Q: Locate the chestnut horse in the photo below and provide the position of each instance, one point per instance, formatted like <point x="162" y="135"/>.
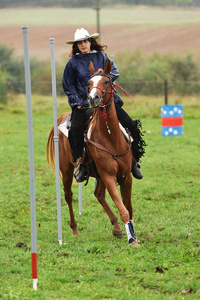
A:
<point x="109" y="150"/>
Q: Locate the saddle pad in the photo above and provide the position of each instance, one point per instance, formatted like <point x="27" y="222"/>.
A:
<point x="63" y="128"/>
<point x="123" y="130"/>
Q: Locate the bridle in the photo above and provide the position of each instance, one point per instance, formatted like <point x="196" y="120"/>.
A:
<point x="104" y="92"/>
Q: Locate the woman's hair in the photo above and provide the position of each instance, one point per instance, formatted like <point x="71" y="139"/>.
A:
<point x="94" y="46"/>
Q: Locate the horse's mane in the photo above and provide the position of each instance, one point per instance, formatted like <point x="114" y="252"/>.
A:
<point x="93" y="121"/>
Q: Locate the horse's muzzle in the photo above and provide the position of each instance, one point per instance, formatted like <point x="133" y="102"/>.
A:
<point x="94" y="101"/>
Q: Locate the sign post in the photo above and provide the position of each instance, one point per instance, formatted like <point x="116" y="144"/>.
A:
<point x="172" y="119"/>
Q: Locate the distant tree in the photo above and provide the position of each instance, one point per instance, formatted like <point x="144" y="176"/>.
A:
<point x="92" y="3"/>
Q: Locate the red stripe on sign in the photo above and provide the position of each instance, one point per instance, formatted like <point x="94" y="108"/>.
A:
<point x="172" y="121"/>
<point x="34" y="265"/>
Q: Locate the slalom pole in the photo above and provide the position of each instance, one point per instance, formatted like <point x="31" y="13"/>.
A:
<point x="31" y="157"/>
<point x="80" y="198"/>
<point x="53" y="77"/>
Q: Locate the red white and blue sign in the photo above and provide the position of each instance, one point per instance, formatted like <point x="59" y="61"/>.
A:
<point x="172" y="119"/>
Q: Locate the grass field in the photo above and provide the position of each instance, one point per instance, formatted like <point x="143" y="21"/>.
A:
<point x="76" y="16"/>
<point x="96" y="265"/>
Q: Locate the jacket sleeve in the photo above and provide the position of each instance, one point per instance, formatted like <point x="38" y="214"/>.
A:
<point x="114" y="72"/>
<point x="69" y="85"/>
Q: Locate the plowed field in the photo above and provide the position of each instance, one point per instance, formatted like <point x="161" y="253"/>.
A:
<point x="160" y="36"/>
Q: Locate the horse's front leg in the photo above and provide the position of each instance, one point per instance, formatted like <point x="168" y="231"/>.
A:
<point x="126" y="188"/>
<point x="100" y="195"/>
<point x="111" y="185"/>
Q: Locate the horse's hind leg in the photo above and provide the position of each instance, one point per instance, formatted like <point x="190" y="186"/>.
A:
<point x="67" y="169"/>
<point x="100" y="195"/>
<point x="67" y="183"/>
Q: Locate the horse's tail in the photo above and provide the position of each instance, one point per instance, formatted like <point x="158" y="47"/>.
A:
<point x="50" y="151"/>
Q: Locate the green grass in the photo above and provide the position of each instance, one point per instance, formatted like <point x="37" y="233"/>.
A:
<point x="96" y="265"/>
<point x="76" y="16"/>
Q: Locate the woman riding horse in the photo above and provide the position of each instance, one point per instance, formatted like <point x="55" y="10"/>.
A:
<point x="108" y="149"/>
<point x="75" y="77"/>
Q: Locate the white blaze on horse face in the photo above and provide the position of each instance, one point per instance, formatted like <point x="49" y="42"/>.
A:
<point x="95" y="81"/>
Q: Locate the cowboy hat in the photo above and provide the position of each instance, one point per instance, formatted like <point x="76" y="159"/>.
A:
<point x="81" y="35"/>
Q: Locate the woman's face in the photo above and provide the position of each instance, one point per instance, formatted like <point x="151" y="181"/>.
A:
<point x="84" y="46"/>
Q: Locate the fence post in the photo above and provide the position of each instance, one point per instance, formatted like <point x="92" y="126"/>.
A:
<point x="166" y="91"/>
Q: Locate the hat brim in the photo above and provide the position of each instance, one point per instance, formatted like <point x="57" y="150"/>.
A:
<point x="93" y="36"/>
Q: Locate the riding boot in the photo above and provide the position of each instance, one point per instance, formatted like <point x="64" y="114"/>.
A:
<point x="135" y="170"/>
<point x="82" y="174"/>
<point x="138" y="145"/>
<point x="76" y="139"/>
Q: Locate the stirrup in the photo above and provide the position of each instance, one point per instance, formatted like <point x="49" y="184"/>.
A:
<point x="136" y="172"/>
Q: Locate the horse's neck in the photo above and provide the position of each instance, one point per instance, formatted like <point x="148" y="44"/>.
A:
<point x="112" y="125"/>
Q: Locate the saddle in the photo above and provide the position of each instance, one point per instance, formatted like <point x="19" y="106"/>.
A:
<point x="86" y="159"/>
<point x="65" y="126"/>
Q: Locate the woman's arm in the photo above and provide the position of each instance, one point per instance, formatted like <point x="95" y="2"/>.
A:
<point x="70" y="85"/>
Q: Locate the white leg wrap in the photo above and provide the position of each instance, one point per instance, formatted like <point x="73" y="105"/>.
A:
<point x="132" y="224"/>
<point x="130" y="232"/>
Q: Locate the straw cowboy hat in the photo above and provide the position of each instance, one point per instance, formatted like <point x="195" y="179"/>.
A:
<point x="81" y="35"/>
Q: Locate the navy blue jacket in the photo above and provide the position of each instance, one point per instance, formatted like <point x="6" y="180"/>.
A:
<point x="76" y="75"/>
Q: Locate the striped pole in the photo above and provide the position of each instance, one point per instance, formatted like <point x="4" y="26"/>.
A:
<point x="31" y="157"/>
<point x="53" y="77"/>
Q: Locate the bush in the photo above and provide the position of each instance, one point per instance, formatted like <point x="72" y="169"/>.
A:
<point x="14" y="68"/>
<point x="3" y="87"/>
<point x="146" y="74"/>
<point x="138" y="73"/>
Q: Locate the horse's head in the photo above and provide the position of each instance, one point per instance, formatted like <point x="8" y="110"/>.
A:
<point x="100" y="86"/>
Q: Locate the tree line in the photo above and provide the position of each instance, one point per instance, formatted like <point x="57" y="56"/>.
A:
<point x="94" y="3"/>
<point x="139" y="73"/>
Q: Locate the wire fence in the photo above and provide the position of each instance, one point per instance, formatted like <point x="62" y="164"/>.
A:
<point x="142" y="87"/>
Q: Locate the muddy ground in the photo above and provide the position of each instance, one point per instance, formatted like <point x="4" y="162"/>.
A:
<point x="119" y="38"/>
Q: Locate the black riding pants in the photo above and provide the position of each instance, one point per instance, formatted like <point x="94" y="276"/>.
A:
<point x="76" y="138"/>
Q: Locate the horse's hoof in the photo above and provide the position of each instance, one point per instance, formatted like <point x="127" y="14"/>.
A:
<point x="135" y="244"/>
<point x="118" y="234"/>
<point x="75" y="232"/>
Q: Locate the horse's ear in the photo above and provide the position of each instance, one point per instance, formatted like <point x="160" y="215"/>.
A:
<point x="91" y="68"/>
<point x="108" y="67"/>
